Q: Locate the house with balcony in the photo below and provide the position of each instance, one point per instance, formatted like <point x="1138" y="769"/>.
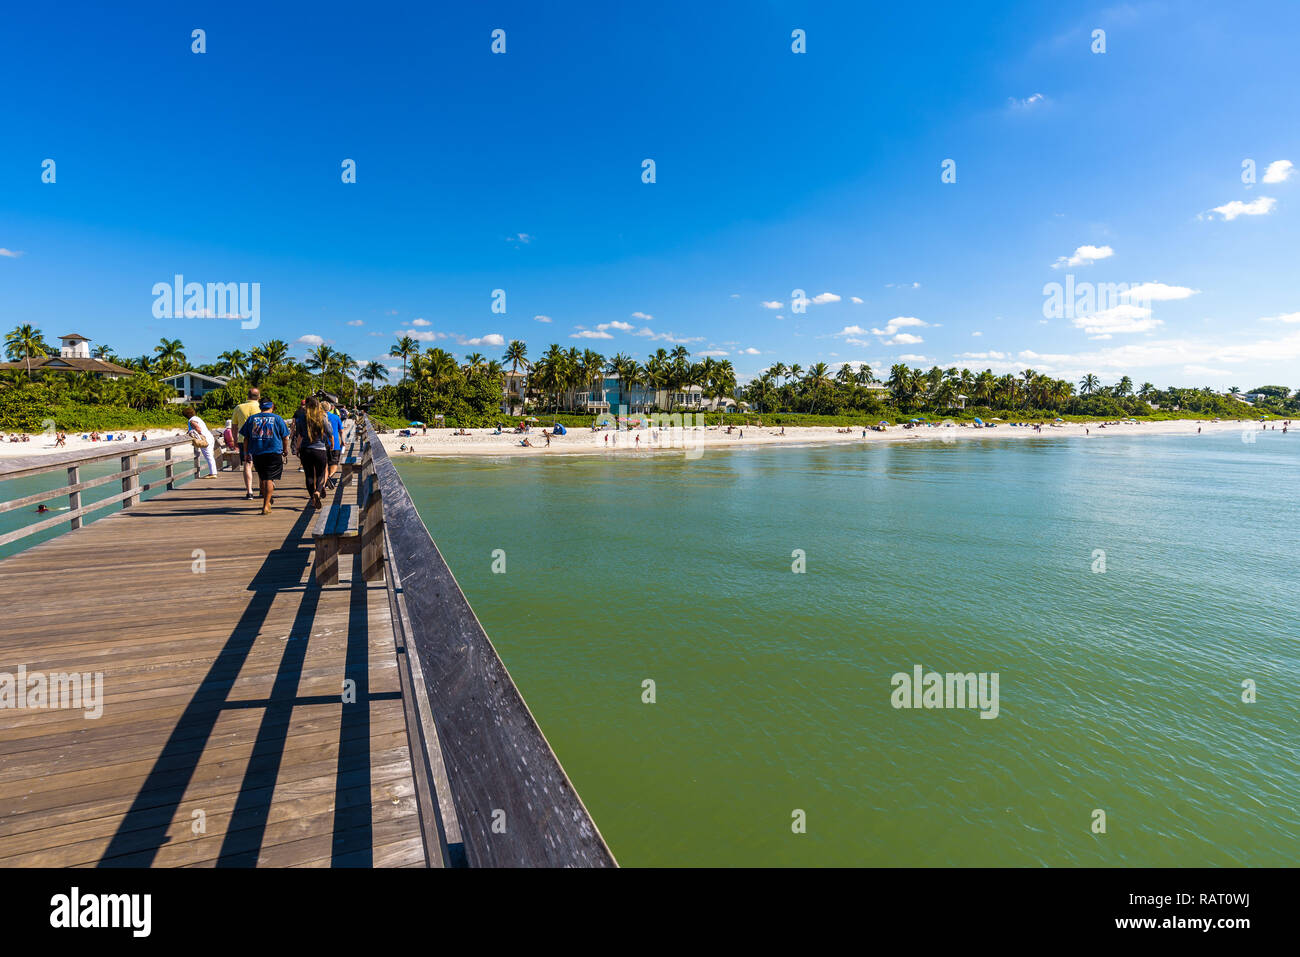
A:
<point x="74" y="356"/>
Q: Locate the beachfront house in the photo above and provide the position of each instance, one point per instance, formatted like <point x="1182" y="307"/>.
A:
<point x="192" y="386"/>
<point x="74" y="356"/>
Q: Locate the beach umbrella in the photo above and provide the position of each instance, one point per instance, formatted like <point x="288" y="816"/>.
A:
<point x="979" y="420"/>
<point x="414" y="424"/>
<point x="916" y="420"/>
<point x="1059" y="419"/>
<point x="531" y="418"/>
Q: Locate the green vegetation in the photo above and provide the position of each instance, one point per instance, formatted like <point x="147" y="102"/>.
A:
<point x="472" y="393"/>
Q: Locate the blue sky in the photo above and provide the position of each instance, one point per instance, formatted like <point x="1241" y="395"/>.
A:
<point x="775" y="171"/>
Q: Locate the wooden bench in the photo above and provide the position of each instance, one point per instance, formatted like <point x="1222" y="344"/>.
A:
<point x="348" y="527"/>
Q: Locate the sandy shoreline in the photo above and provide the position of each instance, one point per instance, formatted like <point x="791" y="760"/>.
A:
<point x="697" y="441"/>
<point x="689" y="442"/>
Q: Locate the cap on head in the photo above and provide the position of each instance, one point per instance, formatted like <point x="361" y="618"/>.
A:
<point x="266" y="404"/>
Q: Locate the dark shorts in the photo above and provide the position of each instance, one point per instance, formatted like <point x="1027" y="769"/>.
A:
<point x="269" y="466"/>
<point x="334" y="456"/>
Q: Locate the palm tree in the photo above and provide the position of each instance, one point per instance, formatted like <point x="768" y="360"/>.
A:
<point x="403" y="349"/>
<point x="322" y="360"/>
<point x="1124" y="387"/>
<point x="374" y="371"/>
<point x="1089" y="384"/>
<point x="517" y="355"/>
<point x="474" y="360"/>
<point x="818" y="377"/>
<point x="25" y="341"/>
<point x="233" y="363"/>
<point x="269" y="356"/>
<point x="171" y="355"/>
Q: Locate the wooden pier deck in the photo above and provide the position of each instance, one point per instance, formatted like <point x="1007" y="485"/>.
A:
<point x="225" y="739"/>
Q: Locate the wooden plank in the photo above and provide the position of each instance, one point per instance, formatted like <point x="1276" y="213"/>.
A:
<point x="223" y="692"/>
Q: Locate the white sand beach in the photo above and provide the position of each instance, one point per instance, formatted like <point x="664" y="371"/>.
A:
<point x="584" y="441"/>
<point x="43" y="444"/>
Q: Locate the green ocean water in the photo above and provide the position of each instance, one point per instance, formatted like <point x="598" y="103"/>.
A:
<point x="1119" y="690"/>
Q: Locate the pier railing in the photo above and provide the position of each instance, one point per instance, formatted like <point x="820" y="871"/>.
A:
<point x="130" y="475"/>
<point x="492" y="792"/>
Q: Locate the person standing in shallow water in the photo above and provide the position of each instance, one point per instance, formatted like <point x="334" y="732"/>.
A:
<point x="266" y="437"/>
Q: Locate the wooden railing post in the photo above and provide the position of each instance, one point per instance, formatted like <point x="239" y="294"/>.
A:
<point x="170" y="467"/>
<point x="130" y="481"/>
<point x="74" y="498"/>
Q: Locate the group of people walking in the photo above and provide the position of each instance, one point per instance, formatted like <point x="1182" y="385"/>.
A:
<point x="264" y="441"/>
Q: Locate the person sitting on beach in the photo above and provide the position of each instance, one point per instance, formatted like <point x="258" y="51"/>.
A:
<point x="526" y="443"/>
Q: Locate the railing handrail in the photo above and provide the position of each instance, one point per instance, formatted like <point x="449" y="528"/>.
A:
<point x="515" y="806"/>
<point x="128" y="453"/>
<point x="26" y="465"/>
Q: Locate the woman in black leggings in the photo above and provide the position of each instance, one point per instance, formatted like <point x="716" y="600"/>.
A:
<point x="313" y="450"/>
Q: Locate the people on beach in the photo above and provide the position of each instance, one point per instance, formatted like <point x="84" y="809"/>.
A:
<point x="239" y="418"/>
<point x="315" y="441"/>
<point x="266" y="443"/>
<point x="61" y="440"/>
<point x="202" y="441"/>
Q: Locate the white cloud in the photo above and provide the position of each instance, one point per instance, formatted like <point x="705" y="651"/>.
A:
<point x="713" y="352"/>
<point x="824" y="297"/>
<point x="1156" y="292"/>
<point x="735" y="295"/>
<point x="751" y="351"/>
<point x="643" y="316"/>
<point x="1125" y="317"/>
<point x="771" y="304"/>
<point x="355" y="322"/>
<point x="1205" y="370"/>
<point x="522" y="238"/>
<point x="1289" y="317"/>
<point x="620" y="326"/>
<point x="309" y="340"/>
<point x="421" y="322"/>
<point x="1032" y="100"/>
<point x="855" y="299"/>
<point x="977" y="333"/>
<point x="911" y="357"/>
<point x="898" y="322"/>
<point x="1278" y="171"/>
<point x="423" y="335"/>
<point x="902" y="285"/>
<point x="904" y="339"/>
<point x="1084" y="256"/>
<point x="491" y="339"/>
<point x="1256" y="207"/>
<point x="852" y="331"/>
<point x="541" y="318"/>
<point x="10" y="253"/>
<point x="983" y="355"/>
<point x="590" y="334"/>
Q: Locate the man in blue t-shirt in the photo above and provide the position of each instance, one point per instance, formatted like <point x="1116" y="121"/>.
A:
<point x="266" y="437"/>
<point x="336" y="424"/>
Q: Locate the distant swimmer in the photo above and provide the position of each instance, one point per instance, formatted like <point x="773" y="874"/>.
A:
<point x="42" y="507"/>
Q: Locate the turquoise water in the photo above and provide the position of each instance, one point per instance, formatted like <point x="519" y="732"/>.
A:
<point x="20" y="488"/>
<point x="1118" y="690"/>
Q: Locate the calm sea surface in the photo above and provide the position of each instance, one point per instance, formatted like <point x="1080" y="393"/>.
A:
<point x="1119" y="690"/>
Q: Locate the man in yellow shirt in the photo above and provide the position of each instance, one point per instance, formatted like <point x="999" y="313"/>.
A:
<point x="237" y="420"/>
